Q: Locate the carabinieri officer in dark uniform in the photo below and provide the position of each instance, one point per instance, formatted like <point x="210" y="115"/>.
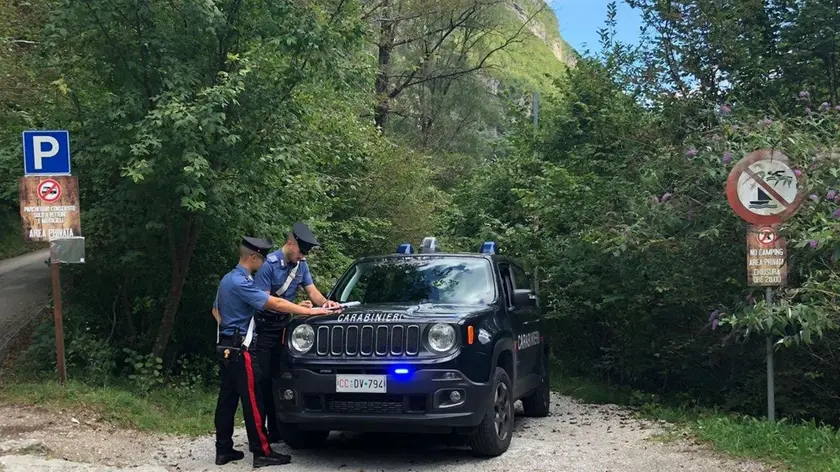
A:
<point x="237" y="301"/>
<point x="283" y="274"/>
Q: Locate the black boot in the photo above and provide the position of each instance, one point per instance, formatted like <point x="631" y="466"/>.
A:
<point x="223" y="458"/>
<point x="274" y="458"/>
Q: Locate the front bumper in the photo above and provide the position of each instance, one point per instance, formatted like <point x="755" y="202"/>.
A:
<point x="418" y="401"/>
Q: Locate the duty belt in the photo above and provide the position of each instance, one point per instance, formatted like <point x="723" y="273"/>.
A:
<point x="272" y="316"/>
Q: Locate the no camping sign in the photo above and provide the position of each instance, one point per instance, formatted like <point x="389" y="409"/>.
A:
<point x="764" y="190"/>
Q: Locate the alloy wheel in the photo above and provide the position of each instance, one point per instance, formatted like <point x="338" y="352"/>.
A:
<point x="501" y="407"/>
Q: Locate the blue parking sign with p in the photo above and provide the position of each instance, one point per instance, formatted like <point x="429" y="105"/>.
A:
<point x="46" y="153"/>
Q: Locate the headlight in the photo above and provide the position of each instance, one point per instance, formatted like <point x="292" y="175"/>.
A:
<point x="442" y="337"/>
<point x="303" y="337"/>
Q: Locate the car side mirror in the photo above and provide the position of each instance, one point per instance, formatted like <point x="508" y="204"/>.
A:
<point x="523" y="297"/>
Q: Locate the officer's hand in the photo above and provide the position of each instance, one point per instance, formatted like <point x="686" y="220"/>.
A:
<point x="332" y="304"/>
<point x="322" y="311"/>
<point x="306" y="303"/>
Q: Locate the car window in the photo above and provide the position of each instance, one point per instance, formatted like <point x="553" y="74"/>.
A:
<point x="420" y="280"/>
<point x="521" y="280"/>
<point x="507" y="283"/>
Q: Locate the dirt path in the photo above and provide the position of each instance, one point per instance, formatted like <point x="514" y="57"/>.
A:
<point x="575" y="437"/>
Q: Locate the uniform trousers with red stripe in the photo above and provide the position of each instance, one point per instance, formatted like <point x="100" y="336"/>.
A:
<point x="239" y="381"/>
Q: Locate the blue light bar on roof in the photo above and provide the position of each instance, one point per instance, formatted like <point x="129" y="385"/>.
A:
<point x="405" y="248"/>
<point x="489" y="247"/>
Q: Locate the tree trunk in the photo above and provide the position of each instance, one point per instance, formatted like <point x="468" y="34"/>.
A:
<point x="180" y="258"/>
<point x="386" y="45"/>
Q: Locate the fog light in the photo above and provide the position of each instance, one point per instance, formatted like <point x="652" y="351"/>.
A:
<point x="288" y="394"/>
<point x="455" y="396"/>
<point x="449" y="375"/>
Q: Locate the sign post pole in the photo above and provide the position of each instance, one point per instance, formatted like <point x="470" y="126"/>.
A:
<point x="763" y="190"/>
<point x="49" y="207"/>
<point x="55" y="267"/>
<point x="771" y="389"/>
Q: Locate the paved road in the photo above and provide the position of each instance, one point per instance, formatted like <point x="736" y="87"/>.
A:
<point x="24" y="286"/>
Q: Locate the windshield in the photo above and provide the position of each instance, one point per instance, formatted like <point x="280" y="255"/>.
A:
<point x="451" y="280"/>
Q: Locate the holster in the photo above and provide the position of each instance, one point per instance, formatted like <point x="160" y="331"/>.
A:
<point x="229" y="349"/>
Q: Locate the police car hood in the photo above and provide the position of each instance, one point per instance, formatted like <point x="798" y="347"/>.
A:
<point x="396" y="313"/>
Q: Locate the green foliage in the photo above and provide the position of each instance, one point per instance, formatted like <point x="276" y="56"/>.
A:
<point x="590" y="391"/>
<point x="11" y="239"/>
<point x="200" y="122"/>
<point x="145" y="370"/>
<point x="619" y="199"/>
<point x="801" y="447"/>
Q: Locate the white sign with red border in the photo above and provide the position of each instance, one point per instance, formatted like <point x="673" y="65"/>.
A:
<point x="763" y="189"/>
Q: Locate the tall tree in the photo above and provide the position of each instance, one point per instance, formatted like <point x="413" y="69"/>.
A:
<point x="185" y="117"/>
<point x="759" y="52"/>
<point x="421" y="41"/>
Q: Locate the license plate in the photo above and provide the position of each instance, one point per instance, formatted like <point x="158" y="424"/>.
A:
<point x="361" y="383"/>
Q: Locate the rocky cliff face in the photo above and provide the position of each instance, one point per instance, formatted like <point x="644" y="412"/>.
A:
<point x="545" y="27"/>
<point x="539" y="55"/>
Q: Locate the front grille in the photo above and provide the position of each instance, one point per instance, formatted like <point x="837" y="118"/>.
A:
<point x="384" y="405"/>
<point x="368" y="340"/>
<point x="366" y="404"/>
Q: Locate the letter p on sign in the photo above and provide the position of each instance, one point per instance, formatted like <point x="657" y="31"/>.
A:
<point x="46" y="152"/>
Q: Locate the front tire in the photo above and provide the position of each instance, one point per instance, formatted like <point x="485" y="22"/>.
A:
<point x="493" y="435"/>
<point x="538" y="403"/>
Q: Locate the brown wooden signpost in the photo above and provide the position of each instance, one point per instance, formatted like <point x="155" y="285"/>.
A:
<point x="765" y="191"/>
<point x="49" y="208"/>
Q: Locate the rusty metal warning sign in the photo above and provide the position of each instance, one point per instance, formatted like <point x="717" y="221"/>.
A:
<point x="766" y="256"/>
<point x="49" y="207"/>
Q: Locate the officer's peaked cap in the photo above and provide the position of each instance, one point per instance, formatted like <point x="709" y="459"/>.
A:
<point x="260" y="245"/>
<point x="304" y="237"/>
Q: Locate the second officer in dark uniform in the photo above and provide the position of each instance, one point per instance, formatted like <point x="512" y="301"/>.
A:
<point x="237" y="301"/>
<point x="283" y="274"/>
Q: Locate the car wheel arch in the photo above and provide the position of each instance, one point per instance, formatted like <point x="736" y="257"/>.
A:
<point x="503" y="356"/>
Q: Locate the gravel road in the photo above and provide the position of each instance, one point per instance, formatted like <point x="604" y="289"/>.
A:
<point x="575" y="437"/>
<point x="24" y="285"/>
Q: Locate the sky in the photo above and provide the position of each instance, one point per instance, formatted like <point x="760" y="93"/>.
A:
<point x="580" y="20"/>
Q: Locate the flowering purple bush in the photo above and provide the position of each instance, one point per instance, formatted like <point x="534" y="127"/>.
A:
<point x="809" y="144"/>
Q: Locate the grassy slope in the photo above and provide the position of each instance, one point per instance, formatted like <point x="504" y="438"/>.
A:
<point x="171" y="411"/>
<point x="795" y="447"/>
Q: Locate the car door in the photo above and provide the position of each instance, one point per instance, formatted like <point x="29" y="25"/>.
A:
<point x="506" y="276"/>
<point x="529" y="337"/>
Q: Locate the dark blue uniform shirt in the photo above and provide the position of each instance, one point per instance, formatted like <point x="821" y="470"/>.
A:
<point x="272" y="275"/>
<point x="237" y="300"/>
